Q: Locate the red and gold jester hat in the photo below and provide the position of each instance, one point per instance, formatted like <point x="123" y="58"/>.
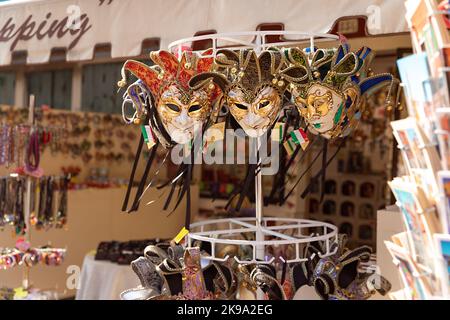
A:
<point x="180" y="110"/>
<point x="172" y="111"/>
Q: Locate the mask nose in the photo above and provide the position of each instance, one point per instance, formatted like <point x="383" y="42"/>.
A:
<point x="252" y="119"/>
<point x="183" y="118"/>
<point x="311" y="111"/>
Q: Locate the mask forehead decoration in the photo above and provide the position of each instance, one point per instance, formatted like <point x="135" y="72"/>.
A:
<point x="179" y="110"/>
<point x="253" y="86"/>
<point x="331" y="100"/>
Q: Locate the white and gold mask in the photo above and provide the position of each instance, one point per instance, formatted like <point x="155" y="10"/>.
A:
<point x="253" y="86"/>
<point x="181" y="111"/>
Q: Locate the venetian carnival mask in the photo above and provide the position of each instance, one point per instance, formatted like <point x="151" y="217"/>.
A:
<point x="180" y="110"/>
<point x="330" y="102"/>
<point x="337" y="277"/>
<point x="253" y="86"/>
<point x="323" y="106"/>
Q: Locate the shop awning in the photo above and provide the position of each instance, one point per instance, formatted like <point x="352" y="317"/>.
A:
<point x="38" y="26"/>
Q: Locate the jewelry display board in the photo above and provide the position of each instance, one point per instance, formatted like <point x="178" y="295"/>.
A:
<point x="23" y="254"/>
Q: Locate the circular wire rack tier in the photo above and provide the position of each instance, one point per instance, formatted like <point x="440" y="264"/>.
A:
<point x="281" y="231"/>
<point x="256" y="40"/>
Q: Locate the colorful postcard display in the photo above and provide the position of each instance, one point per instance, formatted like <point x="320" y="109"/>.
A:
<point x="443" y="262"/>
<point x="422" y="253"/>
<point x="429" y="31"/>
<point x="431" y="40"/>
<point x="415" y="76"/>
<point x="418" y="87"/>
<point x="444" y="204"/>
<point x="443" y="133"/>
<point x="421" y="158"/>
<point x="415" y="286"/>
<point x="419" y="218"/>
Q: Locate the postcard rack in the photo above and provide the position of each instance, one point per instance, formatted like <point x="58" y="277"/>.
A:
<point x="422" y="192"/>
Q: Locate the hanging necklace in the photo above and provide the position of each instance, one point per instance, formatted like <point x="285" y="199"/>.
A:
<point x="32" y="157"/>
<point x="61" y="214"/>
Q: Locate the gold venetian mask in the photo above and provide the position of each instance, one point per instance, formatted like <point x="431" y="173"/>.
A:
<point x="254" y="115"/>
<point x="183" y="112"/>
<point x="180" y="109"/>
<point x="253" y="86"/>
<point x="322" y="108"/>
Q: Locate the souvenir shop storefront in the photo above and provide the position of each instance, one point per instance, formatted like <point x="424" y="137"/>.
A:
<point x="202" y="152"/>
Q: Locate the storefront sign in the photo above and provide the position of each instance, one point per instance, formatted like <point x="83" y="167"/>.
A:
<point x="12" y="31"/>
<point x="38" y="26"/>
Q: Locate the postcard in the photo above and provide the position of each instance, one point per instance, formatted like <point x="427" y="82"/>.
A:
<point x="420" y="155"/>
<point x="415" y="76"/>
<point x="416" y="15"/>
<point x="443" y="134"/>
<point x="416" y="288"/>
<point x="443" y="261"/>
<point x="418" y="221"/>
<point x="429" y="30"/>
<point x="444" y="204"/>
<point x="401" y="239"/>
<point x="440" y="35"/>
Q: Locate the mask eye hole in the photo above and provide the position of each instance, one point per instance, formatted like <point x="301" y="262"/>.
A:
<point x="319" y="103"/>
<point x="241" y="106"/>
<point x="173" y="107"/>
<point x="263" y="104"/>
<point x="194" y="107"/>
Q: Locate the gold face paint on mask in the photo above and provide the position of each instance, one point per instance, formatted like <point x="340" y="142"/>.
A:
<point x="183" y="112"/>
<point x="317" y="105"/>
<point x="321" y="107"/>
<point x="255" y="113"/>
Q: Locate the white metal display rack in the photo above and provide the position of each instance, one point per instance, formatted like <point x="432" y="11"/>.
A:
<point x="256" y="40"/>
<point x="209" y="231"/>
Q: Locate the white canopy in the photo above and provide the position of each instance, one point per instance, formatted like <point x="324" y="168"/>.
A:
<point x="37" y="26"/>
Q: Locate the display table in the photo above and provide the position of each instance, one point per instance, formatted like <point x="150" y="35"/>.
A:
<point x="103" y="280"/>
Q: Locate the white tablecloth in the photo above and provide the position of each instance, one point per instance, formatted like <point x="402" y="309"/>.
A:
<point x="103" y="280"/>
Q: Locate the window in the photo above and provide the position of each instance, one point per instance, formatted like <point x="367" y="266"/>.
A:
<point x="367" y="190"/>
<point x="366" y="212"/>
<point x="329" y="207"/>
<point x="99" y="88"/>
<point x="315" y="187"/>
<point x="7" y="86"/>
<point x="365" y="232"/>
<point x="313" y="206"/>
<point x="348" y="188"/>
<point x="330" y="187"/>
<point x="346" y="228"/>
<point x="347" y="209"/>
<point x="52" y="88"/>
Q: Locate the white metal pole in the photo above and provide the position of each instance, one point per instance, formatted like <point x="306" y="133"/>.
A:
<point x="311" y="43"/>
<point x="258" y="205"/>
<point x="27" y="213"/>
<point x="260" y="254"/>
